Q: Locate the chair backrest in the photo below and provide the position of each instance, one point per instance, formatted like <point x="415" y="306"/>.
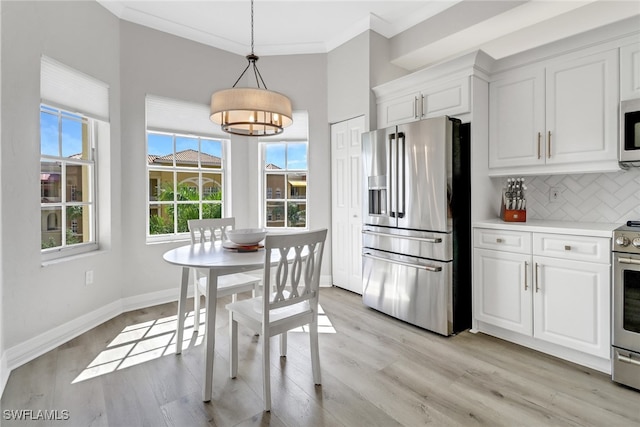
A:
<point x="293" y="281"/>
<point x="203" y="230"/>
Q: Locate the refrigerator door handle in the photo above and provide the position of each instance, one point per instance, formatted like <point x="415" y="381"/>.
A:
<point x="397" y="236"/>
<point x="392" y="177"/>
<point x="401" y="174"/>
<point x="432" y="268"/>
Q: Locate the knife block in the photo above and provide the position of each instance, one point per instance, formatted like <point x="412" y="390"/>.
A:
<point x="513" y="215"/>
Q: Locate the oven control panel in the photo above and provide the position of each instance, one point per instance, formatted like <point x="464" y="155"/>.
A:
<point x="626" y="239"/>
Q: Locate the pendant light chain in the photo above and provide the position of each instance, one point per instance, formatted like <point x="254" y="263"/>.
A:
<point x="251" y="111"/>
<point x="252" y="58"/>
<point x="251" y="27"/>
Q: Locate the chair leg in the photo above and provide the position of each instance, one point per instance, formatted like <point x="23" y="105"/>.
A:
<point x="254" y="292"/>
<point x="196" y="304"/>
<point x="266" y="374"/>
<point x="315" y="353"/>
<point x="233" y="346"/>
<point x="283" y="344"/>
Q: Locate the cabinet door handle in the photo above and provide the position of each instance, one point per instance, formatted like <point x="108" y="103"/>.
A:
<point x="539" y="136"/>
<point x="415" y="104"/>
<point x="549" y="145"/>
<point x="567" y="247"/>
<point x="537" y="284"/>
<point x="499" y="240"/>
<point x="526" y="266"/>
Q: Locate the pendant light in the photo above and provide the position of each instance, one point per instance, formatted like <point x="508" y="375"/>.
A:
<point x="251" y="111"/>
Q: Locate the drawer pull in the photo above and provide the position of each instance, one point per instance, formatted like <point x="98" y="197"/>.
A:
<point x="626" y="359"/>
<point x="498" y="240"/>
<point x="567" y="247"/>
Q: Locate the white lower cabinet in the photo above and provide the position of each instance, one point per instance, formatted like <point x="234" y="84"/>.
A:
<point x="571" y="304"/>
<point x="552" y="288"/>
<point x="501" y="295"/>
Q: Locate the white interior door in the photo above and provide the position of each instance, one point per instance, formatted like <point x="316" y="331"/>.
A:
<point x="346" y="183"/>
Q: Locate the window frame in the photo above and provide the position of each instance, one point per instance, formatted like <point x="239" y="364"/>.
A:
<point x="176" y="170"/>
<point x="264" y="172"/>
<point x="66" y="250"/>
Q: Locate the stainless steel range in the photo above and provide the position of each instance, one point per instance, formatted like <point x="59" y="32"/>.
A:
<point x="625" y="350"/>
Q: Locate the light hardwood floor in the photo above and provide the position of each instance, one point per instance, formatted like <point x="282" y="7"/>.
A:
<point x="376" y="371"/>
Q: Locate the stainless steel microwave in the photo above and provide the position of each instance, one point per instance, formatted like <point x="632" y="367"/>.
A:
<point x="630" y="132"/>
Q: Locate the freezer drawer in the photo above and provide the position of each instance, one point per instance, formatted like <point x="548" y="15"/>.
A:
<point x="422" y="244"/>
<point x="415" y="290"/>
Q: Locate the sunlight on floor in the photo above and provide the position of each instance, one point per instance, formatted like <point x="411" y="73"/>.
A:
<point x="143" y="342"/>
<point x="150" y="340"/>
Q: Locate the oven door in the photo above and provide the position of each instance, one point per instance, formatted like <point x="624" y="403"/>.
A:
<point x="626" y="301"/>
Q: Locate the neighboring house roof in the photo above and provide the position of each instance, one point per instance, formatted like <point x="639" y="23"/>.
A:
<point x="272" y="166"/>
<point x="186" y="157"/>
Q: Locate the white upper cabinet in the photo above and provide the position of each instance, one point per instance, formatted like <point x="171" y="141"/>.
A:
<point x="582" y="105"/>
<point x="440" y="90"/>
<point x="441" y="99"/>
<point x="516" y="103"/>
<point x="630" y="72"/>
<point x="557" y="118"/>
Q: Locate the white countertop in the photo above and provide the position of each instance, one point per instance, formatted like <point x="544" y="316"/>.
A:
<point x="596" y="229"/>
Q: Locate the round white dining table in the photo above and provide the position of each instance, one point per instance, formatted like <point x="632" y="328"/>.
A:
<point x="219" y="261"/>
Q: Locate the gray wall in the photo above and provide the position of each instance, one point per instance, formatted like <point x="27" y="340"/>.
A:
<point x="84" y="36"/>
<point x="156" y="63"/>
<point x="348" y="79"/>
<point x="4" y="371"/>
<point x="353" y="69"/>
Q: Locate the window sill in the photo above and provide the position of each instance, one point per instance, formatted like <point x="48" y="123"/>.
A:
<point x="167" y="240"/>
<point x="63" y="256"/>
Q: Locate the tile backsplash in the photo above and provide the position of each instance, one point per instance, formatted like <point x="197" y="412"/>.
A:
<point x="605" y="197"/>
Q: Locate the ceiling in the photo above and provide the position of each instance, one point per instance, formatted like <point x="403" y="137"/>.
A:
<point x="423" y="32"/>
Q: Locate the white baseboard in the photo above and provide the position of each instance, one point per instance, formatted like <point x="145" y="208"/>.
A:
<point x="153" y="298"/>
<point x="326" y="281"/>
<point x="26" y="351"/>
<point x="574" y="356"/>
<point x="4" y="372"/>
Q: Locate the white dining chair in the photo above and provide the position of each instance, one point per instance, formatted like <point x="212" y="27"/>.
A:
<point x="204" y="230"/>
<point x="289" y="299"/>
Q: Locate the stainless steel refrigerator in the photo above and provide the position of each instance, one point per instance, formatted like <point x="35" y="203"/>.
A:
<point x="416" y="223"/>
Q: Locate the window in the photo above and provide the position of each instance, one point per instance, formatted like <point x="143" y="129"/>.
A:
<point x="186" y="167"/>
<point x="74" y="125"/>
<point x="186" y="179"/>
<point x="285" y="184"/>
<point x="67" y="178"/>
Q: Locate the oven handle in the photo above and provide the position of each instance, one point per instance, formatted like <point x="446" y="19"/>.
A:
<point x="406" y="264"/>
<point x="419" y="239"/>
<point x="622" y="260"/>
<point x="626" y="359"/>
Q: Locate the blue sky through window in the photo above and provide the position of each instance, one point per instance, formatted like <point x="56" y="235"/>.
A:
<point x="71" y="133"/>
<point x="294" y="158"/>
<point x="162" y="145"/>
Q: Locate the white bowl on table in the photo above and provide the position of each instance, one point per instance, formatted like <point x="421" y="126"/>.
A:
<point x="246" y="236"/>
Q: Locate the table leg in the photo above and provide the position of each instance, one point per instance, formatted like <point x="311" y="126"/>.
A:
<point x="182" y="302"/>
<point x="210" y="335"/>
